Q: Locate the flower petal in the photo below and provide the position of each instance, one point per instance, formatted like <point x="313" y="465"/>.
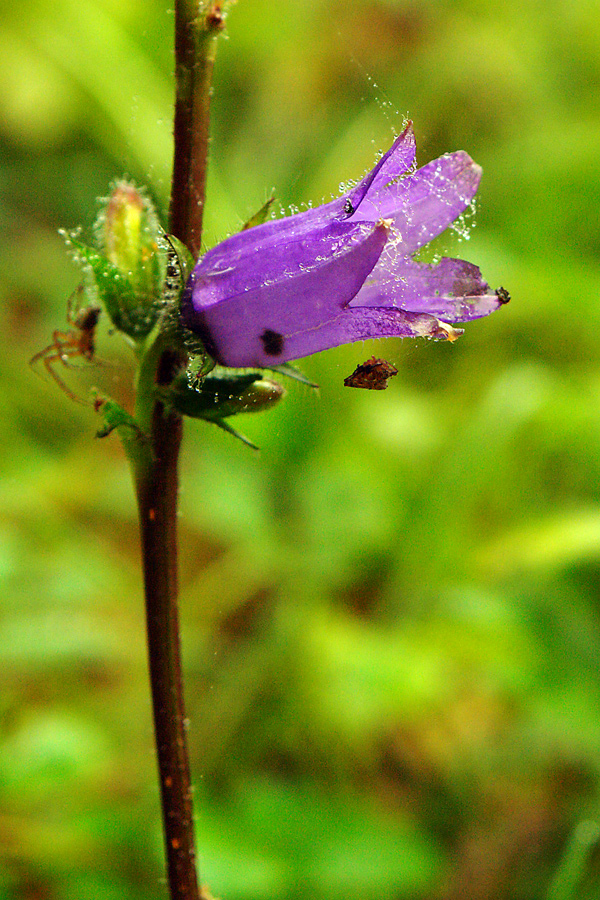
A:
<point x="453" y="289"/>
<point x="396" y="162"/>
<point x="343" y="272"/>
<point x="307" y="286"/>
<point x="357" y="324"/>
<point x="398" y="159"/>
<point x="231" y="269"/>
<point x="424" y="204"/>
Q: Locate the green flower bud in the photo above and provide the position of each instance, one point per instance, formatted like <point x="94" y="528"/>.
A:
<point x="128" y="232"/>
<point x="135" y="268"/>
<point x="220" y="396"/>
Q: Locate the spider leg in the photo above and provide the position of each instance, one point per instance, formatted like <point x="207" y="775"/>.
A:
<point x="63" y="342"/>
<point x="41" y="354"/>
<point x="62" y="356"/>
<point x="74" y="304"/>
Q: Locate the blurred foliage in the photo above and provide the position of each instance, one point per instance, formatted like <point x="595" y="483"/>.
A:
<point x="392" y="614"/>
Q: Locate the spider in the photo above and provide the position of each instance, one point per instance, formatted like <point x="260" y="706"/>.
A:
<point x="68" y="345"/>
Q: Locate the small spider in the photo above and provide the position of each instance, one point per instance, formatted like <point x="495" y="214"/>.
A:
<point x="68" y="345"/>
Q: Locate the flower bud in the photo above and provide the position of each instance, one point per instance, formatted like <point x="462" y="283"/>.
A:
<point x="128" y="234"/>
<point x="122" y="228"/>
<point x="134" y="269"/>
<point x="220" y="396"/>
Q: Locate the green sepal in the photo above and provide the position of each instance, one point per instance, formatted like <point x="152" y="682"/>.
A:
<point x="261" y="216"/>
<point x="215" y="398"/>
<point x="211" y="399"/>
<point x="179" y="266"/>
<point x="198" y="368"/>
<point x="225" y="426"/>
<point x="185" y="258"/>
<point x="294" y="373"/>
<point x="114" y="290"/>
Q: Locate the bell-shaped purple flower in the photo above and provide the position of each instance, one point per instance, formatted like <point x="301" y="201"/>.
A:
<point x="343" y="271"/>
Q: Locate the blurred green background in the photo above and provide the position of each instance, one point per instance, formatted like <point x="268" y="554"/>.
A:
<point x="391" y="615"/>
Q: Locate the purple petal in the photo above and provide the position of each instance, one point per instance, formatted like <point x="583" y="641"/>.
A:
<point x="396" y="162"/>
<point x="424" y="204"/>
<point x="256" y="327"/>
<point x="392" y="164"/>
<point x="343" y="272"/>
<point x="453" y="289"/>
<point x="223" y="272"/>
<point x="358" y="324"/>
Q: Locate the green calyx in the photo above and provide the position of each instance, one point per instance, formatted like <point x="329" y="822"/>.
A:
<point x="135" y="270"/>
<point x="219" y="396"/>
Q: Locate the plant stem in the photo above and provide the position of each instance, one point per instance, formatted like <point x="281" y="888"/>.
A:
<point x="157" y="500"/>
<point x="197" y="25"/>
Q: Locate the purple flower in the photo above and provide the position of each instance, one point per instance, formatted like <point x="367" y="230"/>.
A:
<point x="343" y="271"/>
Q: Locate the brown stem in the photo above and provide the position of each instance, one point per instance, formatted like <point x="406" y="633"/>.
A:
<point x="157" y="499"/>
<point x="197" y="25"/>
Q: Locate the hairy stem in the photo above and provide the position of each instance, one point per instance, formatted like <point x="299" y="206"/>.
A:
<point x="197" y="25"/>
<point x="157" y="500"/>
